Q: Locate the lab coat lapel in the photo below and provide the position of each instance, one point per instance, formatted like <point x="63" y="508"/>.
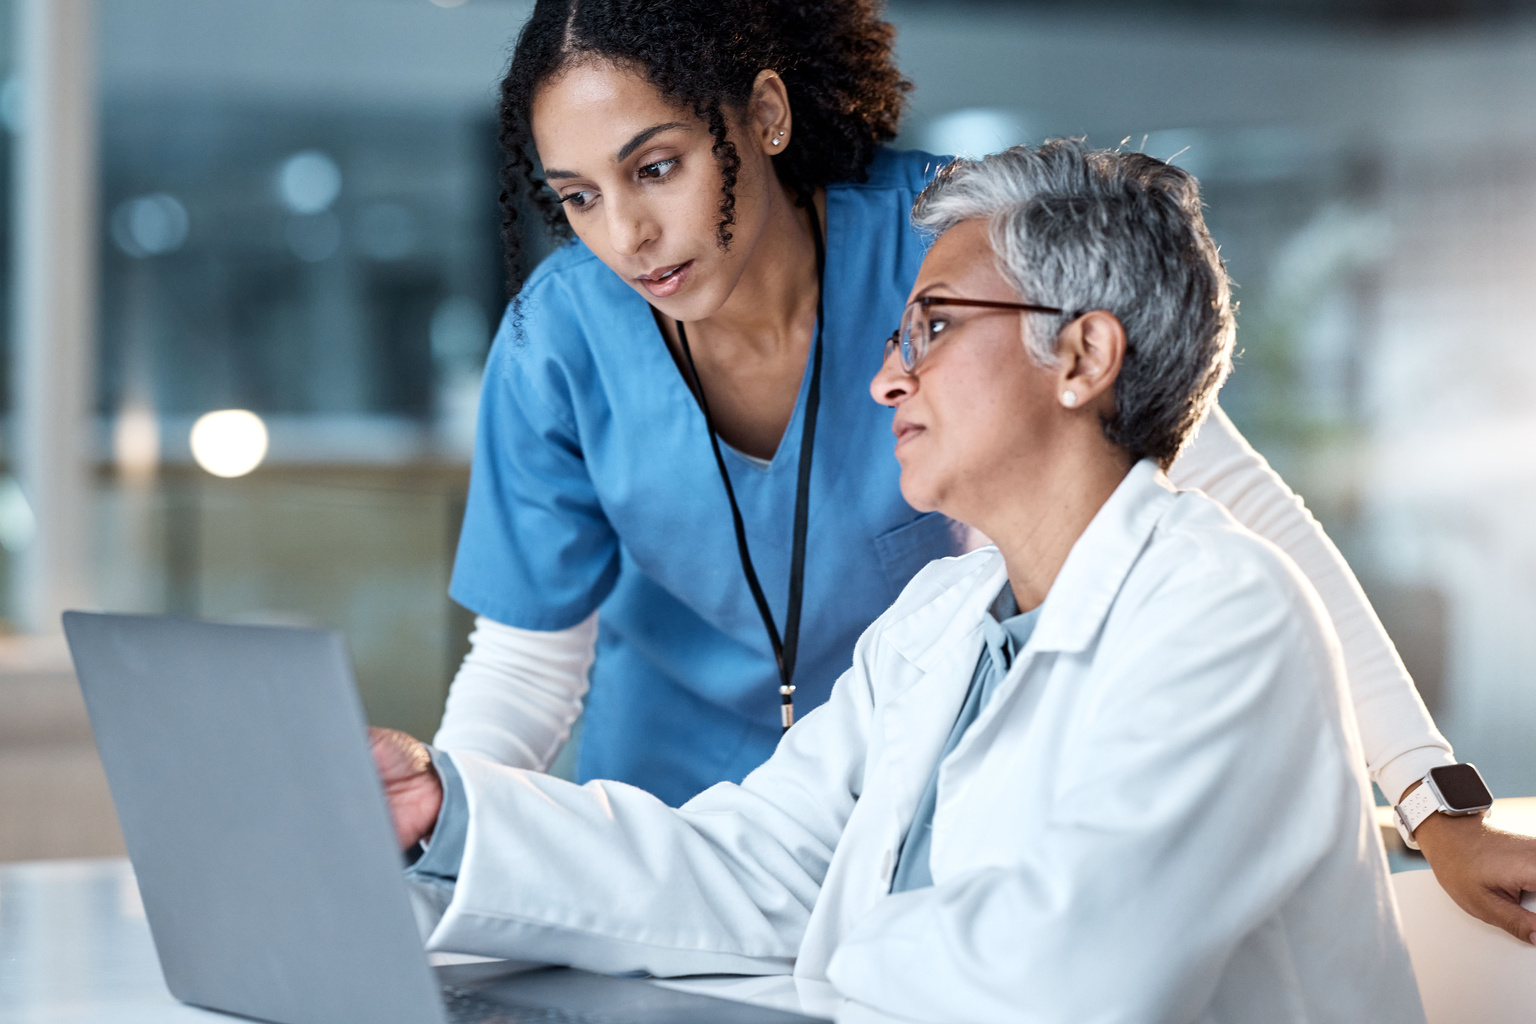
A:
<point x="1080" y="598"/>
<point x="920" y="681"/>
<point x="917" y="722"/>
<point x="943" y="638"/>
<point x="926" y="636"/>
<point x="942" y="641"/>
<point x="1070" y="618"/>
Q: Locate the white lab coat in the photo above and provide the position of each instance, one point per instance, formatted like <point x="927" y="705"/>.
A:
<point x="1159" y="816"/>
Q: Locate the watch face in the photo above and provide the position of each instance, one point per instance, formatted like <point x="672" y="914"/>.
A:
<point x="1461" y="786"/>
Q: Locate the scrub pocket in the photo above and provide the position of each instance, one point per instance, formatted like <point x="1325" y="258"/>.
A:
<point x="909" y="547"/>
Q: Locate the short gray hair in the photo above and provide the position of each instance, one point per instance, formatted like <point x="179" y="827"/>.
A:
<point x="1097" y="229"/>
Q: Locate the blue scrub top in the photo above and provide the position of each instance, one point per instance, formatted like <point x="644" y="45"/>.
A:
<point x="594" y="488"/>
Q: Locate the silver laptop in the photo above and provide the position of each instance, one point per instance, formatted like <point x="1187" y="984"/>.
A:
<point x="239" y="764"/>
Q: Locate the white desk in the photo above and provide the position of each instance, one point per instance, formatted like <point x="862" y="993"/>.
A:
<point x="75" y="949"/>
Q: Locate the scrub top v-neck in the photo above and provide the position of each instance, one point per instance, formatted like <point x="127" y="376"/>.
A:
<point x="594" y="488"/>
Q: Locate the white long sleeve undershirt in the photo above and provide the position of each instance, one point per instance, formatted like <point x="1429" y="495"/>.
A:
<point x="518" y="691"/>
<point x="1400" y="740"/>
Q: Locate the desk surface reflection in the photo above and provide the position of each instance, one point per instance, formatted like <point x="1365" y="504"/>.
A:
<point x="75" y="948"/>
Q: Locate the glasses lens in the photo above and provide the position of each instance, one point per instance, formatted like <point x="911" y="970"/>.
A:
<point x="914" y="336"/>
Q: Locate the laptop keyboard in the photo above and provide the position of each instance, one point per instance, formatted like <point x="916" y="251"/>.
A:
<point x="498" y="993"/>
<point x="470" y="1008"/>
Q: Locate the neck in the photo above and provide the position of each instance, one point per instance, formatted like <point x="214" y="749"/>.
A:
<point x="774" y="303"/>
<point x="1037" y="513"/>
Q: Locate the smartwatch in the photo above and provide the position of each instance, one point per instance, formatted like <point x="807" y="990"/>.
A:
<point x="1454" y="789"/>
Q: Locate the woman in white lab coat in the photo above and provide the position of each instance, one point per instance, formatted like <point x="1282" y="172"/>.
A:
<point x="600" y="481"/>
<point x="1105" y="770"/>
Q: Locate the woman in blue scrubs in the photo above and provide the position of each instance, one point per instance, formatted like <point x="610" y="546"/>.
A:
<point x="596" y="483"/>
<point x="681" y="491"/>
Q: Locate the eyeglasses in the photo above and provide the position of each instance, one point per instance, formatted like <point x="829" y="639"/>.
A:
<point x="915" y="335"/>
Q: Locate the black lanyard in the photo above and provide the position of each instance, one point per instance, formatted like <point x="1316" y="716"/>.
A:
<point x="783" y="650"/>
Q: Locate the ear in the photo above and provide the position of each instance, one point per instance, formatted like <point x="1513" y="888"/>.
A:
<point x="1089" y="353"/>
<point x="768" y="116"/>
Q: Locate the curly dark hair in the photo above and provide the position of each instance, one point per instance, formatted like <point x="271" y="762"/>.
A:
<point x="833" y="55"/>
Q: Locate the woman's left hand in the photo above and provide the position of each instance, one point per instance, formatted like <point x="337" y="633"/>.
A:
<point x="1484" y="869"/>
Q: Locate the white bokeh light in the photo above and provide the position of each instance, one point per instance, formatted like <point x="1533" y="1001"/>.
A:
<point x="136" y="442"/>
<point x="974" y="132"/>
<point x="17" y="523"/>
<point x="229" y="442"/>
<point x="309" y="181"/>
<point x="151" y="225"/>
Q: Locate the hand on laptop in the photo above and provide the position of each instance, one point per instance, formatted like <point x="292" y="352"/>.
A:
<point x="1484" y="869"/>
<point x="411" y="785"/>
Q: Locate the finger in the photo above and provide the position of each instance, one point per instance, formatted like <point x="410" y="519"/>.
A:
<point x="1500" y="910"/>
<point x="379" y="741"/>
<point x="414" y="806"/>
<point x="386" y="756"/>
<point x="398" y="756"/>
<point x="406" y="812"/>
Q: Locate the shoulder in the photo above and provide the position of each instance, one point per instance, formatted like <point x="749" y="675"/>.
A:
<point x="873" y="218"/>
<point x="570" y="259"/>
<point x="1198" y="547"/>
<point x="941" y="593"/>
<point x="565" y="283"/>
<point x="943" y="575"/>
<point x="1213" y="624"/>
<point x="1197" y="527"/>
<point x="906" y="171"/>
<point x="943" y="601"/>
<point x="570" y="302"/>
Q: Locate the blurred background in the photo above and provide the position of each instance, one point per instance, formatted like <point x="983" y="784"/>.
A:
<point x="288" y="207"/>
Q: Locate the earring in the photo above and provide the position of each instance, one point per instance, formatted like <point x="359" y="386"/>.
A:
<point x="778" y="139"/>
<point x="1069" y="398"/>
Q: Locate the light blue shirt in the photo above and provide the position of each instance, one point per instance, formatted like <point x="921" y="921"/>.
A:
<point x="438" y="859"/>
<point x="594" y="487"/>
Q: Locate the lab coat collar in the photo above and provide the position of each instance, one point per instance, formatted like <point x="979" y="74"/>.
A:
<point x="1077" y="602"/>
<point x="1098" y="563"/>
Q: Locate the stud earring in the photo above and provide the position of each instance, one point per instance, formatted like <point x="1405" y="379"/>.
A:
<point x="1069" y="398"/>
<point x="778" y="139"/>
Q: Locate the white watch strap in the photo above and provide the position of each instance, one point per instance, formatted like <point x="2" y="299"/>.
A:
<point x="1416" y="806"/>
